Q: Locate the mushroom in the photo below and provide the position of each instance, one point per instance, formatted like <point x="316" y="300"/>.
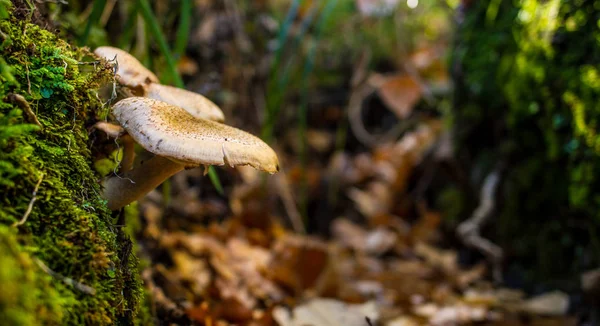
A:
<point x="142" y="82"/>
<point x="196" y="104"/>
<point x="130" y="72"/>
<point x="178" y="140"/>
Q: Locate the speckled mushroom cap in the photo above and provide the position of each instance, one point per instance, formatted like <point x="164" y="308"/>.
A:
<point x="196" y="104"/>
<point x="131" y="73"/>
<point x="170" y="131"/>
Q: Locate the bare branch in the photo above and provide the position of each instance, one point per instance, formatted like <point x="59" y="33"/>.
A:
<point x="469" y="230"/>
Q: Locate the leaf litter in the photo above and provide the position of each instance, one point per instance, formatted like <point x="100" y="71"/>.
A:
<point x="250" y="270"/>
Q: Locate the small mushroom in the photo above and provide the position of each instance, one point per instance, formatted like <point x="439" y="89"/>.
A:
<point x="140" y="81"/>
<point x="116" y="131"/>
<point x="130" y="72"/>
<point x="196" y="104"/>
<point x="178" y="140"/>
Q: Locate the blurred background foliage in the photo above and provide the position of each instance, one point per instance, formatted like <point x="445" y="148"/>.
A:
<point x="527" y="96"/>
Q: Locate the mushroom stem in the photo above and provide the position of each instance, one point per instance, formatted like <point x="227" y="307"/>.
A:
<point x="122" y="190"/>
<point x="128" y="153"/>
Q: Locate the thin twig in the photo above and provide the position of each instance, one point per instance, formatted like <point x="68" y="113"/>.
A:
<point x="469" y="230"/>
<point x="287" y="197"/>
<point x="67" y="280"/>
<point x="24" y="105"/>
<point x="28" y="81"/>
<point x="108" y="8"/>
<point x="354" y="115"/>
<point x="31" y="202"/>
<point x="356" y="122"/>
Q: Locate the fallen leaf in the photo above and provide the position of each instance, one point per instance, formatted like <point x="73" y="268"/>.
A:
<point x="549" y="304"/>
<point x="327" y="312"/>
<point x="400" y="93"/>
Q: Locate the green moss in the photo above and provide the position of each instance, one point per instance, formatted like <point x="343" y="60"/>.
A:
<point x="69" y="230"/>
<point x="27" y="297"/>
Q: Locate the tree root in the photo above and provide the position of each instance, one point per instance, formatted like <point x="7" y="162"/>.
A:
<point x="469" y="230"/>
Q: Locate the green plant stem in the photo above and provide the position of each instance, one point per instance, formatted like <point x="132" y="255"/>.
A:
<point x="183" y="30"/>
<point x="160" y="39"/>
<point x="93" y="19"/>
<point x="275" y="99"/>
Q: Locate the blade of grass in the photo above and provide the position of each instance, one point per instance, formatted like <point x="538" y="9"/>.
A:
<point x="214" y="179"/>
<point x="274" y="98"/>
<point x="94" y="18"/>
<point x="183" y="30"/>
<point x="128" y="31"/>
<point x="304" y="25"/>
<point x="278" y="86"/>
<point x="160" y="38"/>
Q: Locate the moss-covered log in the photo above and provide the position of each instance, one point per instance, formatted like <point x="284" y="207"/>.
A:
<point x="63" y="260"/>
<point x="528" y="97"/>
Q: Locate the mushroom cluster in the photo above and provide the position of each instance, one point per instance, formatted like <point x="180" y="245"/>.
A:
<point x="181" y="128"/>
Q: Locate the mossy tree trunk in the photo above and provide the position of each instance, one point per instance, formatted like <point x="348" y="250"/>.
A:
<point x="63" y="259"/>
<point x="528" y="98"/>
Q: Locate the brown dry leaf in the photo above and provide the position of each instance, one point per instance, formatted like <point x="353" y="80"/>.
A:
<point x="327" y="312"/>
<point x="312" y="173"/>
<point x="255" y="257"/>
<point x="403" y="321"/>
<point x="482" y="297"/>
<point x="152" y="214"/>
<point x="466" y="277"/>
<point x="320" y="140"/>
<point x="590" y="281"/>
<point x="160" y="300"/>
<point x="379" y="241"/>
<point x="348" y="233"/>
<point x="400" y="93"/>
<point x="298" y="262"/>
<point x="425" y="56"/>
<point x="404" y="286"/>
<point x="369" y="289"/>
<point x="459" y="314"/>
<point x="233" y="311"/>
<point x="234" y="290"/>
<point x="445" y="260"/>
<point x="187" y="66"/>
<point x="548" y="304"/>
<point x="375" y="242"/>
<point x="367" y="204"/>
<point x="375" y="201"/>
<point x="200" y="313"/>
<point x="411" y="268"/>
<point x="342" y="169"/>
<point x="426" y="227"/>
<point x="207" y="29"/>
<point x="194" y="271"/>
<point x="249" y="263"/>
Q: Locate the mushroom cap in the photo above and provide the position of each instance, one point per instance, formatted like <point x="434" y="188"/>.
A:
<point x="196" y="104"/>
<point x="171" y="132"/>
<point x="131" y="72"/>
